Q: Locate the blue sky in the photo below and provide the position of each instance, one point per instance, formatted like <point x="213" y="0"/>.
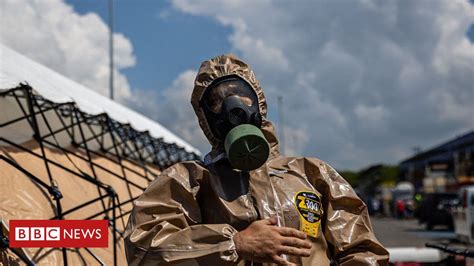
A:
<point x="363" y="81"/>
<point x="165" y="42"/>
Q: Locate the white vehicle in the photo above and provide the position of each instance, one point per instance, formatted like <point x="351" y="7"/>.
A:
<point x="464" y="215"/>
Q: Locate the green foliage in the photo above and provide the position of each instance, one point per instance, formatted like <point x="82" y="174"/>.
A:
<point x="375" y="175"/>
<point x="351" y="177"/>
<point x="389" y="174"/>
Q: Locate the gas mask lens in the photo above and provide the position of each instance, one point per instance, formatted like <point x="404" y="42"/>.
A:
<point x="215" y="97"/>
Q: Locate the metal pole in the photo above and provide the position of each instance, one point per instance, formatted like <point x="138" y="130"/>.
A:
<point x="114" y="226"/>
<point x="281" y="124"/>
<point x="111" y="49"/>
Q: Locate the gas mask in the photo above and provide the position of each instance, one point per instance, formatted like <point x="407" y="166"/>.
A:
<point x="232" y="112"/>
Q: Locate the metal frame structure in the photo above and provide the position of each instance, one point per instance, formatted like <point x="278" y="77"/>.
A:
<point x="124" y="143"/>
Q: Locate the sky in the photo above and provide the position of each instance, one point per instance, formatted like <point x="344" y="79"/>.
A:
<point x="362" y="82"/>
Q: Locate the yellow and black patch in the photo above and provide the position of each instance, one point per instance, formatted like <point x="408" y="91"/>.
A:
<point x="310" y="211"/>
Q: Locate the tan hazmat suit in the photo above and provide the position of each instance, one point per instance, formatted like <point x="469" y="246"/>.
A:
<point x="189" y="214"/>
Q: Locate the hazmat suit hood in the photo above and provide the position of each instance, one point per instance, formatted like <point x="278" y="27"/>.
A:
<point x="219" y="67"/>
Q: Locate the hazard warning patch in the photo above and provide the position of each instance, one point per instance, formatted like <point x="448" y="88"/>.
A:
<point x="310" y="211"/>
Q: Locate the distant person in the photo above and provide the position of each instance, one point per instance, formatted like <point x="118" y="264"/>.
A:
<point x="376" y="205"/>
<point x="246" y="204"/>
<point x="409" y="208"/>
<point x="400" y="206"/>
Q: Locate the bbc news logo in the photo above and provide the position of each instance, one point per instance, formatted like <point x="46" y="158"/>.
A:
<point x="59" y="233"/>
<point x="37" y="233"/>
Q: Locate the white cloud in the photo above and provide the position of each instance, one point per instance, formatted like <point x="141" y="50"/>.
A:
<point x="173" y="109"/>
<point x="363" y="81"/>
<point x="52" y="33"/>
<point x="294" y="141"/>
<point x="372" y="114"/>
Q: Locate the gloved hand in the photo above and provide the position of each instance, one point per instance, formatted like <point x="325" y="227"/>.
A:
<point x="264" y="241"/>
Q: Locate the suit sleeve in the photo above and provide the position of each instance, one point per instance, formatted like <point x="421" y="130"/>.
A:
<point x="346" y="223"/>
<point x="165" y="225"/>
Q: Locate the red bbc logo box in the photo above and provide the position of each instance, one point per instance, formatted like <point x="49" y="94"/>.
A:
<point x="59" y="233"/>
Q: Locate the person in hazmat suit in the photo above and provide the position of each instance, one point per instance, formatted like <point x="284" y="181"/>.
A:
<point x="246" y="204"/>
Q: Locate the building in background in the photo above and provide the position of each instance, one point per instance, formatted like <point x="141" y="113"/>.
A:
<point x="443" y="168"/>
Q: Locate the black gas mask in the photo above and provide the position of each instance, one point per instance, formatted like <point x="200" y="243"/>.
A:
<point x="231" y="108"/>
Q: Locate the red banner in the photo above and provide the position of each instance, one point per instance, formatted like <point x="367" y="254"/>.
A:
<point x="59" y="233"/>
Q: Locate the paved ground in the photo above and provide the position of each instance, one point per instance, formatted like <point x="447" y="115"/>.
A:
<point x="407" y="233"/>
<point x="395" y="233"/>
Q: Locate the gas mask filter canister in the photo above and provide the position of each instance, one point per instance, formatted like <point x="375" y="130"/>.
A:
<point x="246" y="147"/>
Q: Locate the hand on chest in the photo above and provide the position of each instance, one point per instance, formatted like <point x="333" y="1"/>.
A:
<point x="242" y="197"/>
